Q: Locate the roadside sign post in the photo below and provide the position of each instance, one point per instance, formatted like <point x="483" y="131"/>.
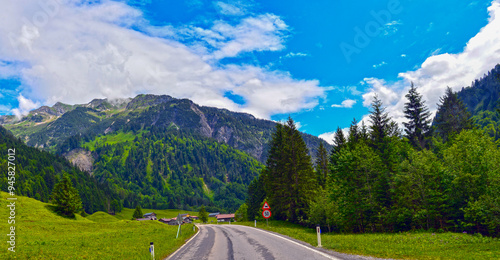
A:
<point x="318" y="232"/>
<point x="179" y="221"/>
<point x="266" y="212"/>
<point x="255" y="223"/>
<point x="152" y="250"/>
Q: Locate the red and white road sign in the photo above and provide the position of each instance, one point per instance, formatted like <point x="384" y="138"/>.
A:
<point x="266" y="213"/>
<point x="266" y="206"/>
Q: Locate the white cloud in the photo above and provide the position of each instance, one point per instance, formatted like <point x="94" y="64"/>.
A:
<point x="25" y="106"/>
<point x="261" y="33"/>
<point x="84" y="51"/>
<point x="379" y="87"/>
<point x="348" y="103"/>
<point x="328" y="137"/>
<point x="295" y="54"/>
<point x="376" y="66"/>
<point x="390" y="28"/>
<point x="4" y="109"/>
<point x="229" y="9"/>
<point x="480" y="55"/>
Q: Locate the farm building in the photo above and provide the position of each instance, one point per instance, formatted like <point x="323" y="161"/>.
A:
<point x="225" y="217"/>
<point x="213" y="215"/>
<point x="151" y="216"/>
<point x="142" y="219"/>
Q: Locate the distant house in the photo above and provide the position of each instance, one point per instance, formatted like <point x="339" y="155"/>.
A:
<point x="170" y="221"/>
<point x="142" y="219"/>
<point x="164" y="220"/>
<point x="195" y="217"/>
<point x="151" y="216"/>
<point x="187" y="220"/>
<point x="213" y="215"/>
<point x="225" y="217"/>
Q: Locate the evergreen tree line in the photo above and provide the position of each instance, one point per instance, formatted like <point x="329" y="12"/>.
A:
<point x="439" y="174"/>
<point x="38" y="172"/>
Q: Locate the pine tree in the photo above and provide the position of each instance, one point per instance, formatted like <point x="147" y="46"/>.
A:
<point x="380" y="124"/>
<point x="354" y="134"/>
<point x="66" y="197"/>
<point x="339" y="141"/>
<point x="203" y="214"/>
<point x="452" y="116"/>
<point x="277" y="190"/>
<point x="418" y="115"/>
<point x="299" y="171"/>
<point x="289" y="174"/>
<point x="138" y="212"/>
<point x="321" y="164"/>
<point x="256" y="194"/>
<point x="116" y="206"/>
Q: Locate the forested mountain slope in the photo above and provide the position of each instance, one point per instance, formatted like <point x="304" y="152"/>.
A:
<point x="157" y="151"/>
<point x="482" y="101"/>
<point x="36" y="173"/>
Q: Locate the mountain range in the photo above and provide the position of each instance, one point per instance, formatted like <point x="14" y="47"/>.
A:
<point x="157" y="151"/>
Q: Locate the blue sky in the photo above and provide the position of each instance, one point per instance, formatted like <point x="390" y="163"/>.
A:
<point x="319" y="61"/>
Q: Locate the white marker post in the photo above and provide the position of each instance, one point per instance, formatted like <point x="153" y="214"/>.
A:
<point x="152" y="250"/>
<point x="255" y="223"/>
<point x="179" y="221"/>
<point x="318" y="231"/>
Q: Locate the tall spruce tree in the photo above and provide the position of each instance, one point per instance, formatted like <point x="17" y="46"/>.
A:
<point x="321" y="164"/>
<point x="203" y="214"/>
<point x="256" y="194"/>
<point x="289" y="175"/>
<point x="418" y="126"/>
<point x="354" y="133"/>
<point x="452" y="116"/>
<point x="137" y="213"/>
<point x="381" y="126"/>
<point x="339" y="141"/>
<point x="66" y="197"/>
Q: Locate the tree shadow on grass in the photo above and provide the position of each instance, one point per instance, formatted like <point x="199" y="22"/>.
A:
<point x="54" y="210"/>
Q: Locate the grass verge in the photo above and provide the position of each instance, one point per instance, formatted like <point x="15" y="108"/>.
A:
<point x="408" y="245"/>
<point x="42" y="234"/>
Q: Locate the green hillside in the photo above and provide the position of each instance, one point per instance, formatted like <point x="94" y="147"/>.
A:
<point x="37" y="172"/>
<point x="41" y="234"/>
<point x="172" y="169"/>
<point x="482" y="99"/>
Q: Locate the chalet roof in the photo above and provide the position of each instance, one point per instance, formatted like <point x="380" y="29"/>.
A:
<point x="142" y="219"/>
<point x="220" y="216"/>
<point x="148" y="214"/>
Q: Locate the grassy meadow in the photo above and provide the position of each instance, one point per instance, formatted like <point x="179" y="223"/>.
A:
<point x="418" y="245"/>
<point x="42" y="234"/>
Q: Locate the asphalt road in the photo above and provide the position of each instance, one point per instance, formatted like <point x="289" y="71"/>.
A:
<point x="218" y="242"/>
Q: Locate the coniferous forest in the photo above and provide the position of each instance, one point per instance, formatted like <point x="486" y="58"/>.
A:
<point x="440" y="174"/>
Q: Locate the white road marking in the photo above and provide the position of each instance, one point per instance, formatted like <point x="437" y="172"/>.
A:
<point x="177" y="251"/>
<point x="308" y="248"/>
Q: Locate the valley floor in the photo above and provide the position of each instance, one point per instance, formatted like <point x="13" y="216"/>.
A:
<point x="42" y="234"/>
